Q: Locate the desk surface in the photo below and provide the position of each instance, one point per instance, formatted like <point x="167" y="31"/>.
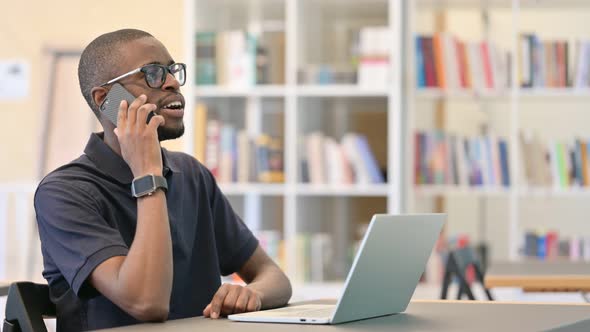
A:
<point x="4" y="285"/>
<point x="436" y="316"/>
<point x="540" y="275"/>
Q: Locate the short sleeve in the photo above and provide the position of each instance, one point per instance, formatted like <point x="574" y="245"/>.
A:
<point x="235" y="242"/>
<point x="73" y="232"/>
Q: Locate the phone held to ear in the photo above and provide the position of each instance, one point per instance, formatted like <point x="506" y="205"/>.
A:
<point x="110" y="105"/>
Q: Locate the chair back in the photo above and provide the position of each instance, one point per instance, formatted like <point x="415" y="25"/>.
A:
<point x="27" y="304"/>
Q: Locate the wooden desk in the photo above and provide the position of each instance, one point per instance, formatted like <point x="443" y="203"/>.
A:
<point x="436" y="316"/>
<point x="4" y="285"/>
<point x="538" y="276"/>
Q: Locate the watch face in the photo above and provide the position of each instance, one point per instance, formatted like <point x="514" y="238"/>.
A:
<point x="143" y="185"/>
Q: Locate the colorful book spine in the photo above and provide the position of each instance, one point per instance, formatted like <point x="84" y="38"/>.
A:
<point x="443" y="159"/>
<point x="420" y="68"/>
<point x="439" y="60"/>
<point x="503" y="150"/>
<point x="429" y="62"/>
<point x="205" y="62"/>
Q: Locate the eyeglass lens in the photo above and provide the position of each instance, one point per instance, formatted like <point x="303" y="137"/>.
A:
<point x="155" y="75"/>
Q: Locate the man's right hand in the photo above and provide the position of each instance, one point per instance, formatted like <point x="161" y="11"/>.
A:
<point x="139" y="142"/>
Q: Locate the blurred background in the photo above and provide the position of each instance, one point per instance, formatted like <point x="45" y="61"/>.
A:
<point x="316" y="114"/>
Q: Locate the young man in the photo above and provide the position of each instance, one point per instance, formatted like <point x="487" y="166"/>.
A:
<point x="113" y="257"/>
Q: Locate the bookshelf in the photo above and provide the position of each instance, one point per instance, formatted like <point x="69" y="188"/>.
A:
<point x="313" y="94"/>
<point x="319" y="92"/>
<point x="502" y="215"/>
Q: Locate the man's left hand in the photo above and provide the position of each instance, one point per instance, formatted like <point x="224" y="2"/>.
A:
<point x="233" y="299"/>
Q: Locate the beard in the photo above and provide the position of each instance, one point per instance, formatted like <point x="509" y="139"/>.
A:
<point x="167" y="133"/>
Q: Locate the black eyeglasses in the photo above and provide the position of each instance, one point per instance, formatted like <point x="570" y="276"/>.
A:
<point x="155" y="75"/>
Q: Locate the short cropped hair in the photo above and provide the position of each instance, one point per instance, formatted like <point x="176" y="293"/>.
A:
<point x="98" y="60"/>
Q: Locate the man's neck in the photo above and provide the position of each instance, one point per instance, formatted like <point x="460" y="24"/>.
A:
<point x="111" y="140"/>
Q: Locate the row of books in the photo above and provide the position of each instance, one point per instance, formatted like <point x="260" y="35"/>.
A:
<point x="237" y="58"/>
<point x="367" y="64"/>
<point x="555" y="163"/>
<point x="326" y="74"/>
<point x="549" y="246"/>
<point x="446" y="159"/>
<point x="233" y="155"/>
<point x="325" y="161"/>
<point x="314" y="254"/>
<point x="553" y="63"/>
<point x="443" y="61"/>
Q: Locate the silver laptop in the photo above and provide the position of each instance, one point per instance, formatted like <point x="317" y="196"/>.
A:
<point x="384" y="274"/>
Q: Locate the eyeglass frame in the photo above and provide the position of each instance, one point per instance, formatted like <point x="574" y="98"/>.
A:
<point x="137" y="70"/>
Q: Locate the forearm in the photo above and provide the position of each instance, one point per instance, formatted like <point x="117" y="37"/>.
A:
<point x="146" y="273"/>
<point x="273" y="286"/>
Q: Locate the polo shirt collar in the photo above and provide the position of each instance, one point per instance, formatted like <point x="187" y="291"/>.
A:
<point x="114" y="165"/>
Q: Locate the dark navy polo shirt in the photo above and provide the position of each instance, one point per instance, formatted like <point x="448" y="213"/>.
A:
<point x="86" y="214"/>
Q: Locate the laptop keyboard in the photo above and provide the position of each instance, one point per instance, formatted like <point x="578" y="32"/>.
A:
<point x="306" y="311"/>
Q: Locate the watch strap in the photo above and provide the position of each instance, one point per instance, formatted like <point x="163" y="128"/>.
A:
<point x="160" y="182"/>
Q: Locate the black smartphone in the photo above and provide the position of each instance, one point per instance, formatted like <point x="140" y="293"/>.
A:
<point x="110" y="105"/>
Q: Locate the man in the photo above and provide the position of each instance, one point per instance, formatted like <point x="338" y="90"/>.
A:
<point x="114" y="259"/>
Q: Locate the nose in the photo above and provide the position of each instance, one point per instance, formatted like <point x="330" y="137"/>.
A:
<point x="171" y="83"/>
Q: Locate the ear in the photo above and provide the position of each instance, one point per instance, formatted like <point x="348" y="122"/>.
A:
<point x="98" y="94"/>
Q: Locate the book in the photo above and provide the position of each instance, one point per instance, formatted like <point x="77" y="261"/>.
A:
<point x="205" y="62"/>
<point x="448" y="159"/>
<point x="368" y="159"/>
<point x="420" y="67"/>
<point x="315" y="157"/>
<point x="227" y="154"/>
<point x="200" y="131"/>
<point x="373" y="62"/>
<point x="531" y="243"/>
<point x="439" y="60"/>
<point x="525" y="60"/>
<point x="541" y="246"/>
<point x="271" y="58"/>
<point x="537" y="170"/>
<point x="429" y="61"/>
<point x="353" y="152"/>
<point x="503" y="151"/>
<point x="212" y="153"/>
<point x="244" y="157"/>
<point x="269" y="160"/>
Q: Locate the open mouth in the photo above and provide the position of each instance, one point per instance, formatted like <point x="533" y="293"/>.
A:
<point x="174" y="109"/>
